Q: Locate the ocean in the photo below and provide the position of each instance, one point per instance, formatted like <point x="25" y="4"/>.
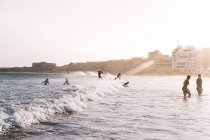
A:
<point x="151" y="107"/>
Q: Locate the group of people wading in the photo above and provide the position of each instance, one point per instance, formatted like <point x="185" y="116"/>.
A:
<point x="46" y="82"/>
<point x="185" y="89"/>
<point x="199" y="88"/>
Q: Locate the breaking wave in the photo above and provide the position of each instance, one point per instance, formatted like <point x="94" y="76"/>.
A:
<point x="74" y="98"/>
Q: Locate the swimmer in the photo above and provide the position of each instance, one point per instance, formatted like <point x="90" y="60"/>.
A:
<point x="46" y="82"/>
<point x="66" y="82"/>
<point x="126" y="84"/>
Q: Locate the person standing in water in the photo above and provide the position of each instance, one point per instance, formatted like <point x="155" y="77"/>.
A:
<point x="199" y="85"/>
<point x="99" y="74"/>
<point x="184" y="88"/>
<point x="66" y="82"/>
<point x="46" y="82"/>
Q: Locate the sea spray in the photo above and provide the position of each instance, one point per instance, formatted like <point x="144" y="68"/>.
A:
<point x="74" y="98"/>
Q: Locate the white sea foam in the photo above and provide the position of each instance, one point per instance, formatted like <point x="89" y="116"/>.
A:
<point x="74" y="99"/>
<point x="78" y="73"/>
<point x="92" y="73"/>
<point x="84" y="73"/>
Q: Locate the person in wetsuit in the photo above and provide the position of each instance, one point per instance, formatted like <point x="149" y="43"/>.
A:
<point x="46" y="82"/>
<point x="185" y="90"/>
<point x="66" y="82"/>
<point x="99" y="74"/>
<point x="199" y="85"/>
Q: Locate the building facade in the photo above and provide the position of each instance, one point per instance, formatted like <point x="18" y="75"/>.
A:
<point x="187" y="60"/>
<point x="163" y="64"/>
<point x="43" y="65"/>
<point x="206" y="58"/>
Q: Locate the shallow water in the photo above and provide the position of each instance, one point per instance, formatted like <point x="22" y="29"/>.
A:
<point x="150" y="108"/>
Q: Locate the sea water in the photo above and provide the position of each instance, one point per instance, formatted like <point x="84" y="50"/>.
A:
<point x="151" y="107"/>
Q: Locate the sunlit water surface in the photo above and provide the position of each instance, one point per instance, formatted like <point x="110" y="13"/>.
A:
<point x="150" y="108"/>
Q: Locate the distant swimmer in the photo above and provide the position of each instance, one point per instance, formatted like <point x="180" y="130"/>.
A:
<point x="66" y="82"/>
<point x="184" y="88"/>
<point x="99" y="74"/>
<point x="46" y="82"/>
<point x="199" y="85"/>
<point x="118" y="76"/>
<point x="126" y="84"/>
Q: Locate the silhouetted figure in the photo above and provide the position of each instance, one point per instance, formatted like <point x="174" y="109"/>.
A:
<point x="99" y="74"/>
<point x="126" y="84"/>
<point x="199" y="85"/>
<point x="46" y="82"/>
<point x="66" y="82"/>
<point x="118" y="76"/>
<point x="184" y="88"/>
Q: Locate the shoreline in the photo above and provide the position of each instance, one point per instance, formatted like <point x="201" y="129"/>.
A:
<point x="70" y="72"/>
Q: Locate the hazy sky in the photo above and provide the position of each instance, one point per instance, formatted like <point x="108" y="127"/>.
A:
<point x="63" y="31"/>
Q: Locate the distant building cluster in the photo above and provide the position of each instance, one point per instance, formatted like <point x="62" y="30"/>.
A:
<point x="43" y="65"/>
<point x="187" y="60"/>
<point x="183" y="60"/>
<point x="163" y="63"/>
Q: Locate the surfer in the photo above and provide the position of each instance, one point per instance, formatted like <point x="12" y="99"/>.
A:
<point x="99" y="74"/>
<point x="118" y="76"/>
<point x="184" y="88"/>
<point x="46" y="82"/>
<point x="199" y="85"/>
<point x="66" y="82"/>
<point x="126" y="84"/>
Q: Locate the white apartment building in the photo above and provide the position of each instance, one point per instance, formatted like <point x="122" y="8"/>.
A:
<point x="187" y="60"/>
